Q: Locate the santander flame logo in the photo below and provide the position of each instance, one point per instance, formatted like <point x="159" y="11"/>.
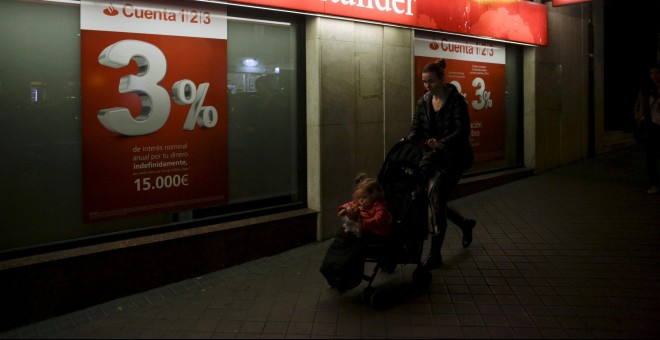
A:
<point x="110" y="11"/>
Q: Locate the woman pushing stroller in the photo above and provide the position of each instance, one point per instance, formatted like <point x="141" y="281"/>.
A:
<point x="441" y="123"/>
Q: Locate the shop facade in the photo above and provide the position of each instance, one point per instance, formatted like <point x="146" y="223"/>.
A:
<point x="140" y="153"/>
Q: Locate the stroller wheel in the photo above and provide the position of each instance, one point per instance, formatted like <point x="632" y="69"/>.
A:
<point x="421" y="278"/>
<point x="378" y="299"/>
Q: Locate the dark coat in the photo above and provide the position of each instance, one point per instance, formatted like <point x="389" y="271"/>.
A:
<point x="646" y="131"/>
<point x="453" y="130"/>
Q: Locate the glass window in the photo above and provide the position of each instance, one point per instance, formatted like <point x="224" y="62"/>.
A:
<point x="264" y="123"/>
<point x="40" y="105"/>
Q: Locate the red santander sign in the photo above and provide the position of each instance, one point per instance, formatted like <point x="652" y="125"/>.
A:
<point x="517" y="21"/>
<point x="567" y="2"/>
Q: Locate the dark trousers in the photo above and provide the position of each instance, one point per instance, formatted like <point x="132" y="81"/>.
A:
<point x="652" y="148"/>
<point x="442" y="191"/>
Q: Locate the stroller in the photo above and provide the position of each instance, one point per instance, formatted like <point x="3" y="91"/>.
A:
<point x="401" y="179"/>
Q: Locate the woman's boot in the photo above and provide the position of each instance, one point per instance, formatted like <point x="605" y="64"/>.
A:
<point x="466" y="225"/>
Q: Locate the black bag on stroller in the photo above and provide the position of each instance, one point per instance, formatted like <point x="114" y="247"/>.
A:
<point x="343" y="264"/>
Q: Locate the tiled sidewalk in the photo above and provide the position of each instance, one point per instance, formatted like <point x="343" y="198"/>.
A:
<point x="571" y="253"/>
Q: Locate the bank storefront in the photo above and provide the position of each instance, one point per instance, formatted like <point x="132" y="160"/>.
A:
<point x="192" y="136"/>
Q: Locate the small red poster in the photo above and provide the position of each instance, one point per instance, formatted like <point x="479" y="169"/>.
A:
<point x="477" y="69"/>
<point x="154" y="120"/>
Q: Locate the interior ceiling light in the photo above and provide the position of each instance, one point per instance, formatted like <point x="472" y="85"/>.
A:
<point x="250" y="62"/>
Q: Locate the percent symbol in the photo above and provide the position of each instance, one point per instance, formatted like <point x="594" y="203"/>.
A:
<point x="489" y="102"/>
<point x="184" y="92"/>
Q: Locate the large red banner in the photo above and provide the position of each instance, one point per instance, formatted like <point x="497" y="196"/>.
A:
<point x="154" y="121"/>
<point x="511" y="20"/>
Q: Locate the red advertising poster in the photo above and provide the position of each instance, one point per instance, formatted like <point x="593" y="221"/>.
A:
<point x="477" y="69"/>
<point x="511" y="20"/>
<point x="154" y="120"/>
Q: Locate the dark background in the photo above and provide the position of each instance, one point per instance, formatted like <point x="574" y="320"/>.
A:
<point x="631" y="30"/>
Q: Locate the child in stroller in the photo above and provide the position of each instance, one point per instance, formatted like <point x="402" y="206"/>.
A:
<point x="367" y="211"/>
<point x="368" y="216"/>
<point x="366" y="221"/>
<point x="400" y="189"/>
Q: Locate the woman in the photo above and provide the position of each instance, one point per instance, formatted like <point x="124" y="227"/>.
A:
<point x="647" y="109"/>
<point x="442" y="124"/>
